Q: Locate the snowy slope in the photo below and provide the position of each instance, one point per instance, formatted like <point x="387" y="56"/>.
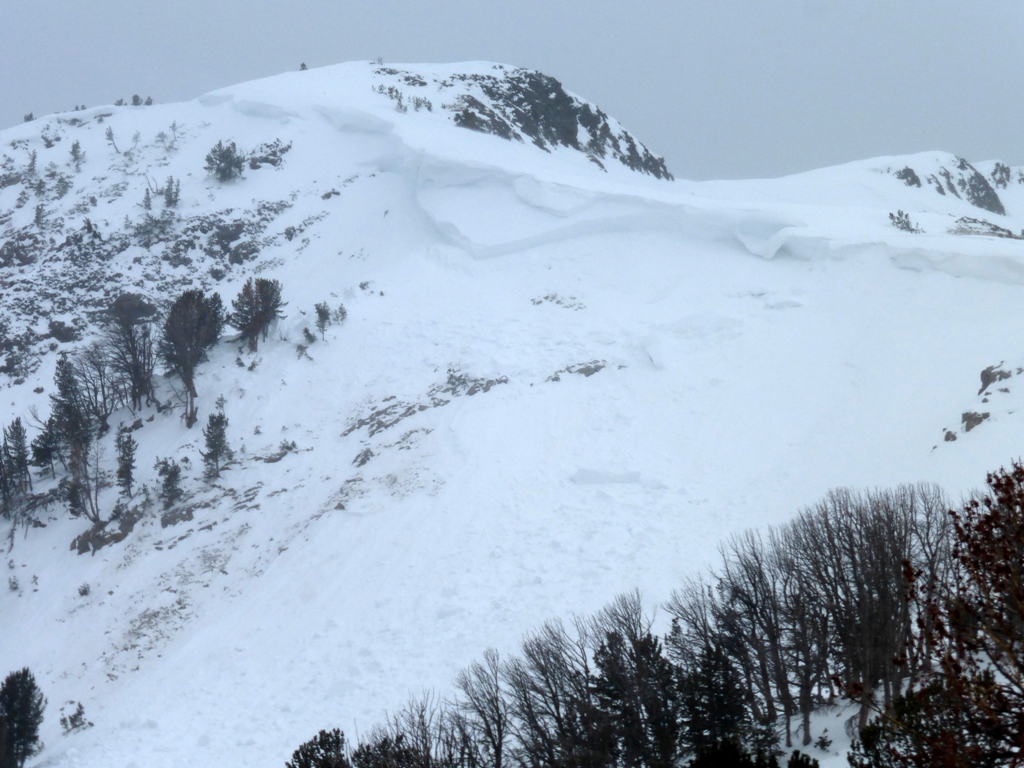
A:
<point x="559" y="379"/>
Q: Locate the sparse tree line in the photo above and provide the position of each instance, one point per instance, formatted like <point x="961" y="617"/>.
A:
<point x="117" y="371"/>
<point x="136" y="101"/>
<point x="885" y="599"/>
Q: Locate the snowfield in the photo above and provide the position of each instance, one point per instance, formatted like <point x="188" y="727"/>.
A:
<point x="560" y="378"/>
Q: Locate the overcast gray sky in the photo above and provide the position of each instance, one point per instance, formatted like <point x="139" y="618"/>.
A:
<point x="721" y="88"/>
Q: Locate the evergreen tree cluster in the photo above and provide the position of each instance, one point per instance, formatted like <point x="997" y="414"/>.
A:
<point x="171" y="194"/>
<point x="136" y="101"/>
<point x="117" y="371"/>
<point x="325" y="317"/>
<point x="114" y="372"/>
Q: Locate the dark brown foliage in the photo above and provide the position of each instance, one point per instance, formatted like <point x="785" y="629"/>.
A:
<point x="968" y="709"/>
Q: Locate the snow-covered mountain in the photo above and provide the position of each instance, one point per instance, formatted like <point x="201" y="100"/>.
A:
<point x="562" y="375"/>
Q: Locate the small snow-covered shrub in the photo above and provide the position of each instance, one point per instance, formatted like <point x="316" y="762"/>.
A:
<point x="151" y="230"/>
<point x="225" y="161"/>
<point x="901" y="220"/>
<point x="823" y="742"/>
<point x="84" y="589"/>
<point x="170" y="488"/>
<point x="270" y="153"/>
<point x="76" y="720"/>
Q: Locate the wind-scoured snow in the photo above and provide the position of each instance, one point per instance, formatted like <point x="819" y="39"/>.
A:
<point x="558" y="380"/>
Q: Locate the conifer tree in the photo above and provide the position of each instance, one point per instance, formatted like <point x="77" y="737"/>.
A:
<point x="77" y="497"/>
<point x="126" y="446"/>
<point x="110" y="139"/>
<point x="46" y="447"/>
<point x="6" y="486"/>
<point x="190" y="330"/>
<point x="147" y="200"/>
<point x="245" y="315"/>
<point x="255" y="308"/>
<point x="323" y="317"/>
<point x="17" y="439"/>
<point x="217" y="450"/>
<point x="711" y="700"/>
<point x="636" y="688"/>
<point x="21" y="714"/>
<point x="77" y="155"/>
<point x="75" y="427"/>
<point x="170" y="488"/>
<point x="172" y="192"/>
<point x="270" y="304"/>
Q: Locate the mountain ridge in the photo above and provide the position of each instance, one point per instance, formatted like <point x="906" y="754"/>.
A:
<point x="555" y="383"/>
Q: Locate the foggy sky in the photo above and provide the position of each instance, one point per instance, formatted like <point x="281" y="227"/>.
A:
<point x="721" y="88"/>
